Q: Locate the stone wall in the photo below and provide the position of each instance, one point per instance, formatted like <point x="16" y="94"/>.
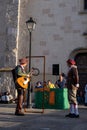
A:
<point x="8" y="42"/>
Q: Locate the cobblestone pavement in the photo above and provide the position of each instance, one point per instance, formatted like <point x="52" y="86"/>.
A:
<point x="34" y="119"/>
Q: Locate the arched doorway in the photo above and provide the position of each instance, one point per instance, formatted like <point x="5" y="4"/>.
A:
<point x="81" y="61"/>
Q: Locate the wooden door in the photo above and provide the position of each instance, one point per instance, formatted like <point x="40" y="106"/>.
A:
<point x="81" y="61"/>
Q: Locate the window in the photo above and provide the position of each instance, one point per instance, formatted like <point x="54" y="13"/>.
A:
<point x="82" y="6"/>
<point x="85" y="4"/>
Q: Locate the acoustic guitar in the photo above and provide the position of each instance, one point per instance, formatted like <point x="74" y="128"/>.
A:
<point x="23" y="81"/>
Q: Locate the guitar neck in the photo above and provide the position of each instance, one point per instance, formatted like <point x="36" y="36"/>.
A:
<point x="30" y="73"/>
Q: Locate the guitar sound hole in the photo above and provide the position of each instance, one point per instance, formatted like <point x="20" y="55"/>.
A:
<point x="25" y="78"/>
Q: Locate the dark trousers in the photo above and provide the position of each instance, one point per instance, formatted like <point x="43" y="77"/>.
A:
<point x="19" y="105"/>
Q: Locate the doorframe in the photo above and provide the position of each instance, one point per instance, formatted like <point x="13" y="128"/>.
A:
<point x="77" y="51"/>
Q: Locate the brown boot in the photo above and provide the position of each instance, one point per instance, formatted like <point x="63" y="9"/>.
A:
<point x="19" y="106"/>
<point x="20" y="113"/>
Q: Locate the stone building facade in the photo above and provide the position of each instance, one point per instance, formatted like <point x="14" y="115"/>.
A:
<point x="8" y="42"/>
<point x="60" y="34"/>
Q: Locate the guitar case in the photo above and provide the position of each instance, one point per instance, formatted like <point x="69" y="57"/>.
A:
<point x="14" y="73"/>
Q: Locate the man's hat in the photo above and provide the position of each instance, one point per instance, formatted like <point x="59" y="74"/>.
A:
<point x="71" y="62"/>
<point x="23" y="61"/>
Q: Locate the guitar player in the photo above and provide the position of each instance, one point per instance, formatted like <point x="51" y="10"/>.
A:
<point x="20" y="71"/>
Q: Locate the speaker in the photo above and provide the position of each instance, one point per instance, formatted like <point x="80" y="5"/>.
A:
<point x="55" y="69"/>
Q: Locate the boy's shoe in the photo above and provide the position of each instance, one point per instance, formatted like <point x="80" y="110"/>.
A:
<point x="76" y="116"/>
<point x="70" y="115"/>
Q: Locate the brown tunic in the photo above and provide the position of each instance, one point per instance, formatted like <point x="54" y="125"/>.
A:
<point x="72" y="81"/>
<point x="72" y="77"/>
